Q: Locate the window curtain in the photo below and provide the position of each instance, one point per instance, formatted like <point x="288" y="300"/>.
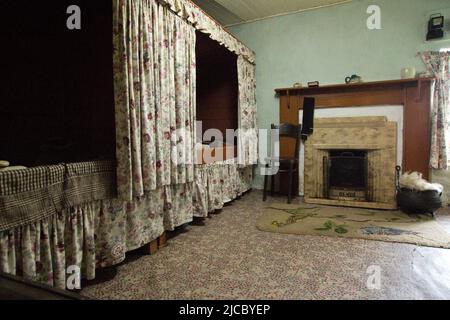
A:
<point x="155" y="77"/>
<point x="248" y="138"/>
<point x="438" y="64"/>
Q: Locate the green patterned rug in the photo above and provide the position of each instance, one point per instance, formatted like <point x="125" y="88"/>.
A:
<point x="390" y="226"/>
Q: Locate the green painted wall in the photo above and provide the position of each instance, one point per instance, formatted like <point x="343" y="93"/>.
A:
<point x="331" y="43"/>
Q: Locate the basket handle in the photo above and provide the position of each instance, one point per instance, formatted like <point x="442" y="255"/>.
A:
<point x="399" y="170"/>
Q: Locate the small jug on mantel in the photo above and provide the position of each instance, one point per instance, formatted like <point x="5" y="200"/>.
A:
<point x="353" y="79"/>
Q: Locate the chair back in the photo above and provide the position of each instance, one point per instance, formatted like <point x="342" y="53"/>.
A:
<point x="293" y="131"/>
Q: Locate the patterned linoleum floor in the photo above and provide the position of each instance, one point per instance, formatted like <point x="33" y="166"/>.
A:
<point x="228" y="258"/>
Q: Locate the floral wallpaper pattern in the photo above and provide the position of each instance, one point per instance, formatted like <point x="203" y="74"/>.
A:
<point x="438" y="63"/>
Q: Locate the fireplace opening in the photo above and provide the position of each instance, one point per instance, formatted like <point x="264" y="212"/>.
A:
<point x="346" y="172"/>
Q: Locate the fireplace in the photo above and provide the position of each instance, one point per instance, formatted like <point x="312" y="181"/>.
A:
<point x="351" y="162"/>
<point x="346" y="175"/>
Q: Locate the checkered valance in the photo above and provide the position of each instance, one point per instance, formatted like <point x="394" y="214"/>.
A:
<point x="33" y="194"/>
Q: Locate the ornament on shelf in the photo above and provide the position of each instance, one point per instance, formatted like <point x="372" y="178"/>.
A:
<point x="353" y="79"/>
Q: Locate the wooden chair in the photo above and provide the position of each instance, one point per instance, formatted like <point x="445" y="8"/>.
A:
<point x="286" y="164"/>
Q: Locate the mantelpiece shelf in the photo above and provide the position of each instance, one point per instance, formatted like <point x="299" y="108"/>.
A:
<point x="343" y="87"/>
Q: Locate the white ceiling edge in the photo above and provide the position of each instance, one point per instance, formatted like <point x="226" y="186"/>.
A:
<point x="289" y="13"/>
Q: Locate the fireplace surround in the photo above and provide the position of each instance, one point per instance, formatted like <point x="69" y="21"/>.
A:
<point x="351" y="162"/>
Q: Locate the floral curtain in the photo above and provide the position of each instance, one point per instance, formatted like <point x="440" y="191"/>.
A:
<point x="438" y="64"/>
<point x="248" y="138"/>
<point x="155" y="77"/>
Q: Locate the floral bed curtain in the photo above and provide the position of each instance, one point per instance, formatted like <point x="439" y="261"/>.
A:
<point x="155" y="77"/>
<point x="248" y="138"/>
<point x="438" y="64"/>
